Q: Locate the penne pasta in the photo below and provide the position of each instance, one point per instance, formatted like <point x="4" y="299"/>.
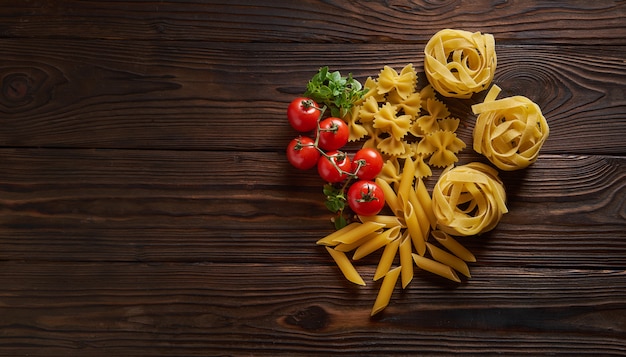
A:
<point x="343" y="247"/>
<point x="426" y="201"/>
<point x="436" y="268"/>
<point x="345" y="266"/>
<point x="390" y="196"/>
<point x="386" y="290"/>
<point x="386" y="259"/>
<point x="448" y="259"/>
<point x="453" y="246"/>
<point x="388" y="221"/>
<point x="377" y="242"/>
<point x="406" y="263"/>
<point x="406" y="179"/>
<point x="357" y="233"/>
<point x="414" y="229"/>
<point x="421" y="214"/>
<point x="329" y="239"/>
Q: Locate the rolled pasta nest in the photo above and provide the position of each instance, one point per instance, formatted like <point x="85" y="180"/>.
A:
<point x="469" y="199"/>
<point x="460" y="63"/>
<point x="509" y="131"/>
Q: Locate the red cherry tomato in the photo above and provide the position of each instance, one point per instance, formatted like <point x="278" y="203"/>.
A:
<point x="328" y="170"/>
<point x="366" y="198"/>
<point x="303" y="114"/>
<point x="333" y="134"/>
<point x="302" y="153"/>
<point x="371" y="162"/>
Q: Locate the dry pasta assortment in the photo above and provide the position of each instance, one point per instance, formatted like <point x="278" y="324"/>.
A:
<point x="413" y="131"/>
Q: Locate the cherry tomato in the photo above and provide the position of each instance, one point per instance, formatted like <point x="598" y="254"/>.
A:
<point x="333" y="134"/>
<point x="302" y="153"/>
<point x="303" y="114"/>
<point x="366" y="198"/>
<point x="328" y="170"/>
<point x="371" y="163"/>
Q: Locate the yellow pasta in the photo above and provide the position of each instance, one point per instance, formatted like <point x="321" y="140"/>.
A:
<point x="390" y="196"/>
<point x="436" y="268"/>
<point x="345" y="266"/>
<point x="459" y="63"/>
<point x="386" y="290"/>
<point x="448" y="259"/>
<point x="387" y="121"/>
<point x="469" y="199"/>
<point x="403" y="83"/>
<point x="442" y="146"/>
<point x="509" y="131"/>
<point x="377" y="242"/>
<point x="357" y="233"/>
<point x="386" y="259"/>
<point x="414" y="130"/>
<point x="406" y="179"/>
<point x="406" y="262"/>
<point x="420" y="213"/>
<point x="329" y="239"/>
<point x="388" y="221"/>
<point x="413" y="227"/>
<point x="425" y="201"/>
<point x="343" y="247"/>
<point x="453" y="246"/>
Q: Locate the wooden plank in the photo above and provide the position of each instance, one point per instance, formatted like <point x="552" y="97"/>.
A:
<point x="189" y="95"/>
<point x="236" y="309"/>
<point x="599" y="22"/>
<point x="201" y="206"/>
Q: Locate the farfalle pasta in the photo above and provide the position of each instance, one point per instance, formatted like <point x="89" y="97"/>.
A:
<point x="395" y="118"/>
<point x="509" y="131"/>
<point x="403" y="83"/>
<point x="460" y="63"/>
<point x="468" y="199"/>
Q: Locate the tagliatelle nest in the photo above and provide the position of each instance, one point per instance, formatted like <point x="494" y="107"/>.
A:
<point x="509" y="131"/>
<point x="460" y="63"/>
<point x="469" y="199"/>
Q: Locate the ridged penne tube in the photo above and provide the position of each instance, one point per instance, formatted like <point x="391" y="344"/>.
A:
<point x="390" y="195"/>
<point x="406" y="263"/>
<point x="346" y="267"/>
<point x="453" y="246"/>
<point x="426" y="201"/>
<point x="448" y="259"/>
<point x="343" y="247"/>
<point x="413" y="227"/>
<point x="435" y="268"/>
<point x="329" y="239"/>
<point x="379" y="241"/>
<point x="358" y="232"/>
<point x="386" y="259"/>
<point x="388" y="221"/>
<point x="420" y="212"/>
<point x="386" y="289"/>
<point x="406" y="179"/>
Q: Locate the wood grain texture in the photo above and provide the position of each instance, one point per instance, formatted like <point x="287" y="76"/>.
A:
<point x="147" y="208"/>
<point x="317" y="21"/>
<point x="259" y="309"/>
<point x="220" y="206"/>
<point x="112" y="94"/>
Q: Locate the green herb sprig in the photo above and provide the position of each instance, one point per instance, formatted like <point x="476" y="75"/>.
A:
<point x="337" y="92"/>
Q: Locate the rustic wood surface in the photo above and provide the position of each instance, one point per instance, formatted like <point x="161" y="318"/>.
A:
<point x="147" y="207"/>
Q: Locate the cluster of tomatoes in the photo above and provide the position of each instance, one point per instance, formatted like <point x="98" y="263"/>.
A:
<point x="323" y="149"/>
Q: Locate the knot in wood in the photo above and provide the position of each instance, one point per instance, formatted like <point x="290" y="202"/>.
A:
<point x="311" y="318"/>
<point x="16" y="87"/>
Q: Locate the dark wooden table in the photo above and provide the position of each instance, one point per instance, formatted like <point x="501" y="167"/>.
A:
<point x="147" y="207"/>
